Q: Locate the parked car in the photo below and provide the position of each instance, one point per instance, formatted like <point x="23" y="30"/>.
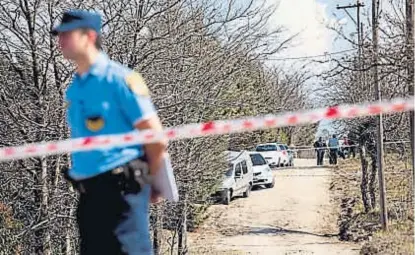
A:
<point x="272" y="153"/>
<point x="238" y="177"/>
<point x="262" y="172"/>
<point x="288" y="155"/>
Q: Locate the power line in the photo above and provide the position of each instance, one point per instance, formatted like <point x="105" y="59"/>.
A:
<point x="308" y="57"/>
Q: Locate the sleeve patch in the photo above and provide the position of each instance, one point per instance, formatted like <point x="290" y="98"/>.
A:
<point x="137" y="84"/>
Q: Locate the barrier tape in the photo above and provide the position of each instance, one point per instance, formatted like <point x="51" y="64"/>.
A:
<point x="343" y="146"/>
<point x="331" y="175"/>
<point x="340" y="147"/>
<point x="206" y="129"/>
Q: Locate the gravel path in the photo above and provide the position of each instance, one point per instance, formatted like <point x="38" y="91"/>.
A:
<point x="294" y="217"/>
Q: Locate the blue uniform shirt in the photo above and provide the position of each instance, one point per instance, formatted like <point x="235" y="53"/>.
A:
<point x="108" y="99"/>
<point x="333" y="143"/>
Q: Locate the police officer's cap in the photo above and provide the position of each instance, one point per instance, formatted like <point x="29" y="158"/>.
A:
<point x="75" y="19"/>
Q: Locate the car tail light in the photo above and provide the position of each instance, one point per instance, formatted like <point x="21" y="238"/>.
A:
<point x="284" y="152"/>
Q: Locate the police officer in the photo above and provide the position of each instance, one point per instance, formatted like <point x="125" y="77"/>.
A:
<point x="320" y="148"/>
<point x="334" y="150"/>
<point x="114" y="183"/>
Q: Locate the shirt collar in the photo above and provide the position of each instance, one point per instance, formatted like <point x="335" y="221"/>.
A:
<point x="97" y="67"/>
<point x="100" y="63"/>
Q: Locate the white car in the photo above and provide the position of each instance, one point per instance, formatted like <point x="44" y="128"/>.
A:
<point x="272" y="153"/>
<point x="262" y="172"/>
<point x="287" y="158"/>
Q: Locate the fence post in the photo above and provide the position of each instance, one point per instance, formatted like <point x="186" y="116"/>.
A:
<point x="182" y="242"/>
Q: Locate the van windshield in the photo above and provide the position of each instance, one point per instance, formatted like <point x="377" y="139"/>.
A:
<point x="257" y="160"/>
<point x="229" y="171"/>
<point x="266" y="147"/>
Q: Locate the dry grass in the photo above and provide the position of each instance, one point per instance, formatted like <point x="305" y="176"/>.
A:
<point x="357" y="225"/>
<point x="202" y="239"/>
<point x="399" y="240"/>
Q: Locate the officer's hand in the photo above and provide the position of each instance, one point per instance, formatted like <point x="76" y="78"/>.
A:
<point x="155" y="197"/>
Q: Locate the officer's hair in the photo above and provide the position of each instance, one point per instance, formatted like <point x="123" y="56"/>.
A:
<point x="98" y="41"/>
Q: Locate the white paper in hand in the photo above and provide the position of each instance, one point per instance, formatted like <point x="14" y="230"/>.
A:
<point x="164" y="181"/>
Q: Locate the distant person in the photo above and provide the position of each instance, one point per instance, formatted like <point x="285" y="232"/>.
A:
<point x="343" y="148"/>
<point x="320" y="148"/>
<point x="352" y="148"/>
<point x="334" y="150"/>
<point x="346" y="147"/>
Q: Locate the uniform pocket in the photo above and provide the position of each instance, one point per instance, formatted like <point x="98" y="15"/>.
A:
<point x="96" y="116"/>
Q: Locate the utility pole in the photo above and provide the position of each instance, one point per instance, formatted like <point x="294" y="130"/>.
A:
<point x="379" y="124"/>
<point x="410" y="55"/>
<point x="382" y="188"/>
<point x="358" y="5"/>
<point x="359" y="27"/>
<point x="359" y="37"/>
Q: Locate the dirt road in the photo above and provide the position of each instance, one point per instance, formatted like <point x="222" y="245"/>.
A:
<point x="294" y="217"/>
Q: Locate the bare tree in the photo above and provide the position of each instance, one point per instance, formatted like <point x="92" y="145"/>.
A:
<point x="203" y="60"/>
<point x="349" y="81"/>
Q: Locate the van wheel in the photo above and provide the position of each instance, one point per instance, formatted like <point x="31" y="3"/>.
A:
<point x="248" y="191"/>
<point x="226" y="197"/>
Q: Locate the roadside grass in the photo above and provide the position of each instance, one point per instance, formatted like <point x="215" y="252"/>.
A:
<point x="358" y="226"/>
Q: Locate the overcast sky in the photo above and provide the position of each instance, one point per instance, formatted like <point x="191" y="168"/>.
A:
<point x="310" y="19"/>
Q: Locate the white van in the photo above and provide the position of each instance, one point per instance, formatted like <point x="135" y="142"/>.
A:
<point x="262" y="172"/>
<point x="238" y="178"/>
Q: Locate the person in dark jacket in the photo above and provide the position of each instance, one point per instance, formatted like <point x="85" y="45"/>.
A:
<point x="352" y="148"/>
<point x="320" y="148"/>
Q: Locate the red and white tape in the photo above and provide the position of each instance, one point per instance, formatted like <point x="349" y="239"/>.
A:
<point x="302" y="148"/>
<point x="206" y="129"/>
<point x="325" y="148"/>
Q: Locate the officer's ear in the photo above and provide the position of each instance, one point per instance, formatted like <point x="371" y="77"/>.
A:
<point x="94" y="37"/>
